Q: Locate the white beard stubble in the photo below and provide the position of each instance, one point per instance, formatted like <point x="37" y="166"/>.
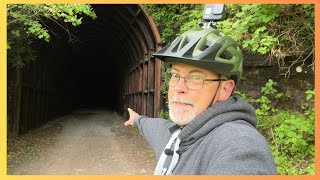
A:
<point x="182" y="116"/>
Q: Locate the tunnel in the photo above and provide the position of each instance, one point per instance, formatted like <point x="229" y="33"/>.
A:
<point x="105" y="63"/>
<point x="114" y="44"/>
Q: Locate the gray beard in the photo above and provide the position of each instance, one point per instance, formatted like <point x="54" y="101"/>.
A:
<point x="184" y="119"/>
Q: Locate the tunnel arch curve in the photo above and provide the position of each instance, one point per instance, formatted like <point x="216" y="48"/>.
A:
<point x="111" y="66"/>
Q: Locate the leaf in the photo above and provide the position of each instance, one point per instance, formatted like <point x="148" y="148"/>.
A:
<point x="281" y="135"/>
<point x="292" y="116"/>
<point x="70" y="12"/>
<point x="309" y="96"/>
<point x="240" y="14"/>
<point x="291" y="134"/>
<point x="16" y="33"/>
<point x="294" y="140"/>
<point x="287" y="141"/>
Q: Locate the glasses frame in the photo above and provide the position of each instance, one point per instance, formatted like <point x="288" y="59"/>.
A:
<point x="185" y="81"/>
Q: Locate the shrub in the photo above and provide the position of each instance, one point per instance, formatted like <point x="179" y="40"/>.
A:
<point x="290" y="134"/>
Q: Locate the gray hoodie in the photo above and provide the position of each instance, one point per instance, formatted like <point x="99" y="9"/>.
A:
<point x="221" y="140"/>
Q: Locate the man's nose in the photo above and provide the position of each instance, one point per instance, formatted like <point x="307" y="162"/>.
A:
<point x="181" y="87"/>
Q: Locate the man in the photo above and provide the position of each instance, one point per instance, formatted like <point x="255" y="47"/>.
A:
<point x="212" y="132"/>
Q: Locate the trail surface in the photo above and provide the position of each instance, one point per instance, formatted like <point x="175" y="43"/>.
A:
<point x="91" y="142"/>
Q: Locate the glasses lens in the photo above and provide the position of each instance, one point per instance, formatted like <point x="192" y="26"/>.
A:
<point x="174" y="79"/>
<point x="194" y="81"/>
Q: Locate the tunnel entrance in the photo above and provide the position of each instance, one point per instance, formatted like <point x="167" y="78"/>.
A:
<point x="98" y="67"/>
<point x="110" y="66"/>
<point x="107" y="67"/>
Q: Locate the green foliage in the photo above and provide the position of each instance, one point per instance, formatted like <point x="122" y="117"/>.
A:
<point x="239" y="93"/>
<point x="248" y="24"/>
<point x="164" y="115"/>
<point x="28" y="22"/>
<point x="166" y="75"/>
<point x="173" y="19"/>
<point x="192" y="18"/>
<point x="310" y="94"/>
<point x="264" y="101"/>
<point x="293" y="143"/>
<point x="277" y="29"/>
<point x="268" y="89"/>
<point x="290" y="134"/>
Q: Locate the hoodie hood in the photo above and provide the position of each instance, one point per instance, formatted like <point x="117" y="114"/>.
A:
<point x="231" y="109"/>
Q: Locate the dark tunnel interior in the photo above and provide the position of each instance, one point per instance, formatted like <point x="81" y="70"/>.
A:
<point x="96" y="70"/>
<point x="104" y="63"/>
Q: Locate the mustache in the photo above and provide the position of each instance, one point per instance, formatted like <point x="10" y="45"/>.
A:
<point x="177" y="99"/>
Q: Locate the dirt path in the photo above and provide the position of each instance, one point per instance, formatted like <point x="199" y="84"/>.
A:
<point x="91" y="142"/>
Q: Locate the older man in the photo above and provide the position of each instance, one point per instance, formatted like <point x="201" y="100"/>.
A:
<point x="211" y="132"/>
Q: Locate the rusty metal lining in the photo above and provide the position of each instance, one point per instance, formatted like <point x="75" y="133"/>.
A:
<point x="114" y="58"/>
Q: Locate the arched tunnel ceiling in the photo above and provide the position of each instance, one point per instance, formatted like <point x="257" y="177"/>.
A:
<point x="122" y="29"/>
<point x="111" y="65"/>
<point x="121" y="40"/>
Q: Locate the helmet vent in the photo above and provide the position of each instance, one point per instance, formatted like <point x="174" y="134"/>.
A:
<point x="185" y="42"/>
<point x="220" y="34"/>
<point x="235" y="46"/>
<point x="205" y="46"/>
<point x="180" y="44"/>
<point x="175" y="44"/>
<point x="226" y="55"/>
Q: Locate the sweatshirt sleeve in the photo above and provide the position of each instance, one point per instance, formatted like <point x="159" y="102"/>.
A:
<point x="155" y="130"/>
<point x="242" y="155"/>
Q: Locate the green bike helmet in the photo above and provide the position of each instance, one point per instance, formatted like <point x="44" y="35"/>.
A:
<point x="205" y="48"/>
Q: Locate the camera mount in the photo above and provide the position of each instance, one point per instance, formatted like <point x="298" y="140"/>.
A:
<point x="211" y="14"/>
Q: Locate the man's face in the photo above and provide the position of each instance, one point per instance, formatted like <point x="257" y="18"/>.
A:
<point x="185" y="103"/>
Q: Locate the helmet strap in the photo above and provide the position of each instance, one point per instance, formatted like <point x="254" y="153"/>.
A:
<point x="214" y="97"/>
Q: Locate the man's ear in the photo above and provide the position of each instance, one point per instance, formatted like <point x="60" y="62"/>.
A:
<point x="226" y="89"/>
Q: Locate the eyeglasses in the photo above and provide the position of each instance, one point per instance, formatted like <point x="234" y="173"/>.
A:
<point x="192" y="81"/>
